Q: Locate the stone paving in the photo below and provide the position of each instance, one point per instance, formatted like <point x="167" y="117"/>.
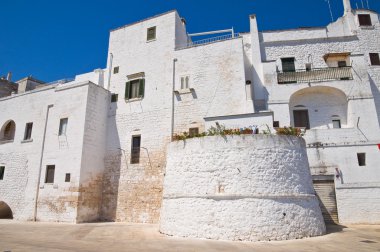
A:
<point x="29" y="236"/>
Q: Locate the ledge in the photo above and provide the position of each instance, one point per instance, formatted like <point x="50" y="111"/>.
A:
<point x="6" y="141"/>
<point x="27" y="141"/>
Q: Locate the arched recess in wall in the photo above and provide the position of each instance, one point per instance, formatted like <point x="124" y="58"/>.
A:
<point x="8" y="131"/>
<point x="318" y="108"/>
<point x="5" y="211"/>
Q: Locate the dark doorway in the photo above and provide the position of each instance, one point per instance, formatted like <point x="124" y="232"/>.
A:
<point x="301" y="119"/>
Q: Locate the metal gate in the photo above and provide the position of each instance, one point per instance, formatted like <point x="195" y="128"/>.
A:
<point x="325" y="191"/>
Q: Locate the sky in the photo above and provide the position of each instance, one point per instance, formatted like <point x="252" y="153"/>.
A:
<point x="57" y="39"/>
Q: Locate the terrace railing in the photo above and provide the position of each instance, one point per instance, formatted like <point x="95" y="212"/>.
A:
<point x="209" y="40"/>
<point x="315" y="75"/>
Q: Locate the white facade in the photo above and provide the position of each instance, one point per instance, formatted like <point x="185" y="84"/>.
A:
<point x="167" y="85"/>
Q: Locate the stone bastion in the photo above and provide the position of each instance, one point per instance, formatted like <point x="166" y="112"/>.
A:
<point x="247" y="187"/>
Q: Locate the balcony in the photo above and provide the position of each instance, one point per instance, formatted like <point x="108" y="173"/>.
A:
<point x="315" y="75"/>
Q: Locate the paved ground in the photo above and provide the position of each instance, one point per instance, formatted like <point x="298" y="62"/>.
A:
<point x="19" y="236"/>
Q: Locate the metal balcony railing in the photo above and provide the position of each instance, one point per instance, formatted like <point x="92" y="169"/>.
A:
<point x="209" y="40"/>
<point x="315" y="75"/>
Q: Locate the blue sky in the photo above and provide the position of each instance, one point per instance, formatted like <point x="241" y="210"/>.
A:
<point x="58" y="39"/>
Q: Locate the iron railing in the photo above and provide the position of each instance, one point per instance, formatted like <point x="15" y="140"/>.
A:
<point x="209" y="40"/>
<point x="315" y="75"/>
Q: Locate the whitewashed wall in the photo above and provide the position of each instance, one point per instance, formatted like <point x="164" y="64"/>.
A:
<point x="57" y="201"/>
<point x="240" y="188"/>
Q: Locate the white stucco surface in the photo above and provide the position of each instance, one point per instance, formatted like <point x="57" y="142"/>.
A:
<point x="252" y="187"/>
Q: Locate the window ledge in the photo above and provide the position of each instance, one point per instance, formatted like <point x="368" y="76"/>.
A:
<point x="27" y="141"/>
<point x="151" y="40"/>
<point x="184" y="91"/>
<point x="6" y="141"/>
<point x="134" y="99"/>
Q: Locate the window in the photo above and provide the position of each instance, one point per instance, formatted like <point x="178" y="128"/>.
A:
<point x="288" y="65"/>
<point x="135" y="150"/>
<point x="134" y="89"/>
<point x="116" y="70"/>
<point x="49" y="178"/>
<point x="336" y="124"/>
<point x="114" y="97"/>
<point x="2" y="168"/>
<point x="28" y="131"/>
<point x="185" y="82"/>
<point x="63" y="126"/>
<point x="193" y="132"/>
<point x="301" y="119"/>
<point x="308" y="66"/>
<point x="342" y="63"/>
<point x="375" y="60"/>
<point x="67" y="177"/>
<point x="151" y="33"/>
<point x="361" y="159"/>
<point x="276" y="124"/>
<point x="364" y="20"/>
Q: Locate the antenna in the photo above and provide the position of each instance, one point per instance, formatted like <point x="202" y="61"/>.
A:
<point x="328" y="2"/>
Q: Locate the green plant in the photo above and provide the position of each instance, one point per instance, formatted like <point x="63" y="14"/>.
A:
<point x="289" y="131"/>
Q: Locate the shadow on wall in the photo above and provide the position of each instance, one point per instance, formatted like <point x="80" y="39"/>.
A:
<point x="376" y="96"/>
<point x="5" y="211"/>
<point x="111" y="176"/>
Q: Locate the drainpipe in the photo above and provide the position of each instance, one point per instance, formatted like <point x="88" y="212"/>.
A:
<point x="109" y="72"/>
<point x="172" y="126"/>
<point x="41" y="159"/>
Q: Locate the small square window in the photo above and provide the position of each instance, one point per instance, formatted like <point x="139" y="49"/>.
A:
<point x="364" y="20"/>
<point x="63" y="126"/>
<point x="361" y="159"/>
<point x="67" y="177"/>
<point x="288" y="64"/>
<point x="336" y="124"/>
<point x="375" y="59"/>
<point x="50" y="170"/>
<point x="114" y="97"/>
<point x="2" y="169"/>
<point x="193" y="132"/>
<point x="276" y="124"/>
<point x="151" y="33"/>
<point x="342" y="63"/>
<point x="28" y="131"/>
<point x="116" y="70"/>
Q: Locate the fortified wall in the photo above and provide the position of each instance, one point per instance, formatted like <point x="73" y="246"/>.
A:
<point x="250" y="188"/>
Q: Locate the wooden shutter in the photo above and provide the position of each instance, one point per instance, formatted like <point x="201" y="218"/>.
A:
<point x="127" y="88"/>
<point x="141" y="88"/>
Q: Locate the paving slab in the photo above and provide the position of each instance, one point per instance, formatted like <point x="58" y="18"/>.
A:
<point x="59" y="237"/>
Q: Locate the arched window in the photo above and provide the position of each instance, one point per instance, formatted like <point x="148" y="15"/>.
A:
<point x="8" y="131"/>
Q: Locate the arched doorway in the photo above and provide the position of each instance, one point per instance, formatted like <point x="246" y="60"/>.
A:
<point x="318" y="108"/>
<point x="8" y="131"/>
<point x="5" y="211"/>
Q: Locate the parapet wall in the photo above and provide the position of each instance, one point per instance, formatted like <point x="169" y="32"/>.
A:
<point x="252" y="187"/>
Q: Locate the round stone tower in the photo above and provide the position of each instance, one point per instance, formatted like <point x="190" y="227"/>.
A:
<point x="249" y="188"/>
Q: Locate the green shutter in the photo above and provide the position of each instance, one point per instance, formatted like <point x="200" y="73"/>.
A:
<point x="127" y="88"/>
<point x="141" y="88"/>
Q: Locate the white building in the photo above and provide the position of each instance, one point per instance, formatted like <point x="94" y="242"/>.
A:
<point x="161" y="81"/>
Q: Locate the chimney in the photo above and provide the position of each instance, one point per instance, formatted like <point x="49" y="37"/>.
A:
<point x="9" y="76"/>
<point x="347" y="6"/>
